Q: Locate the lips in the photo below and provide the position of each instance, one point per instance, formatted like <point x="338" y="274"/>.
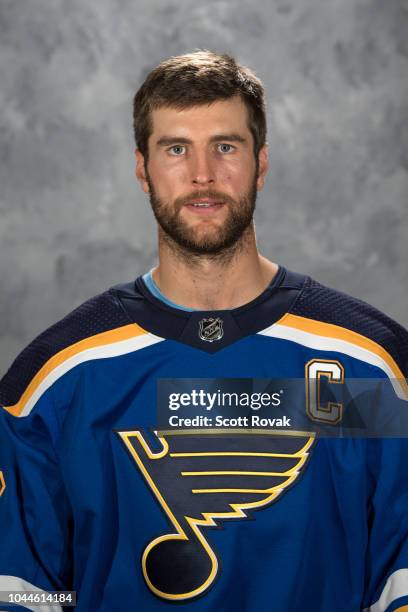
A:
<point x="204" y="207"/>
<point x="204" y="203"/>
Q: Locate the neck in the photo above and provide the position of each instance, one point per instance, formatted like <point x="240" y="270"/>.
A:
<point x="213" y="282"/>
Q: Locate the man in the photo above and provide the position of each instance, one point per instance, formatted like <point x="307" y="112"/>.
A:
<point x="202" y="506"/>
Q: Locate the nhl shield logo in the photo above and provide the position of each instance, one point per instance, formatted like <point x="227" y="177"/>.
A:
<point x="211" y="329"/>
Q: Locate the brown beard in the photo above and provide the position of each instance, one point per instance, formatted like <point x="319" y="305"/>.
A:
<point x="226" y="238"/>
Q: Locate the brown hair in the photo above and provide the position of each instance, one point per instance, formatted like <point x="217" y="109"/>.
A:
<point x="200" y="77"/>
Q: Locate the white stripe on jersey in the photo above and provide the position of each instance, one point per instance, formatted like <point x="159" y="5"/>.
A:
<point x="100" y="352"/>
<point x="395" y="587"/>
<point x="328" y="343"/>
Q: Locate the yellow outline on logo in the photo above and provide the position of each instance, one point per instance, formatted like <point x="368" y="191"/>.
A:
<point x="238" y="509"/>
<point x="2" y="483"/>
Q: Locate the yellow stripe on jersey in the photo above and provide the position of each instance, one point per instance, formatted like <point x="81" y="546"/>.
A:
<point x="328" y="336"/>
<point x="329" y="329"/>
<point x="110" y="343"/>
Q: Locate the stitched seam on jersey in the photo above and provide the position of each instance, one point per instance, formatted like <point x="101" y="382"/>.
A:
<point x="184" y="314"/>
<point x="257" y="301"/>
<point x="119" y="304"/>
<point x="295" y="301"/>
<point x="58" y="468"/>
<point x="62" y="562"/>
<point x="57" y="417"/>
<point x="268" y="296"/>
<point x="62" y="565"/>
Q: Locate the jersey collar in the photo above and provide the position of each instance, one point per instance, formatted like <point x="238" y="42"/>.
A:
<point x="210" y="330"/>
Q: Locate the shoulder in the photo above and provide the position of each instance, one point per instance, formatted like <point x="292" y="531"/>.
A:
<point x="62" y="341"/>
<point x="320" y="303"/>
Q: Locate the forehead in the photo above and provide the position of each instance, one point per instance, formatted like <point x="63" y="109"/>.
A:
<point x="221" y="116"/>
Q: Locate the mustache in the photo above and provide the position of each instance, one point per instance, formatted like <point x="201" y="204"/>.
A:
<point x="210" y="194"/>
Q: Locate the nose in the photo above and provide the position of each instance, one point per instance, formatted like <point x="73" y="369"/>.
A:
<point x="202" y="169"/>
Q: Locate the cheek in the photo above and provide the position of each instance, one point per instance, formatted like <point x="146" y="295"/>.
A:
<point x="227" y="175"/>
<point x="166" y="183"/>
<point x="169" y="174"/>
<point x="235" y="173"/>
<point x="234" y="181"/>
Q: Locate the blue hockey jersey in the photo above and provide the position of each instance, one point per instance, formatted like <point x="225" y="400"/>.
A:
<point x="96" y="499"/>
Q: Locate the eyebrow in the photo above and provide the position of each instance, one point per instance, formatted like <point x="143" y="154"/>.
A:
<point x="169" y="140"/>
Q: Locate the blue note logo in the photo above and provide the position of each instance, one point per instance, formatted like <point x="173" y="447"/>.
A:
<point x="199" y="480"/>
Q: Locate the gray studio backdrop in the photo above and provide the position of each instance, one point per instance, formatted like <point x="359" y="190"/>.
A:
<point x="73" y="220"/>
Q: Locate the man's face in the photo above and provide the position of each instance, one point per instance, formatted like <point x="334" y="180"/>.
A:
<point x="202" y="175"/>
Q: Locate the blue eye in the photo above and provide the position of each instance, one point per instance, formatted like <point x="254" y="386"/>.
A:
<point x="225" y="148"/>
<point x="176" y="150"/>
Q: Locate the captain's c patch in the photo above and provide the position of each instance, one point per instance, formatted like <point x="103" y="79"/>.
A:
<point x="200" y="478"/>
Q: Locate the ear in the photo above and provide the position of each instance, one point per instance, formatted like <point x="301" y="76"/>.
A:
<point x="140" y="171"/>
<point x="263" y="166"/>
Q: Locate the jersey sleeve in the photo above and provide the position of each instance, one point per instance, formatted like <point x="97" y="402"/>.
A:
<point x="34" y="510"/>
<point x="36" y="394"/>
<point x="386" y="564"/>
<point x="386" y="588"/>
